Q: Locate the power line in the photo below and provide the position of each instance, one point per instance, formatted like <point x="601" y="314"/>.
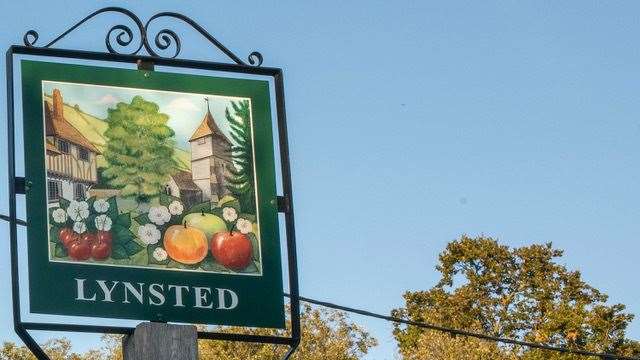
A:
<point x="603" y="356"/>
<point x="532" y="345"/>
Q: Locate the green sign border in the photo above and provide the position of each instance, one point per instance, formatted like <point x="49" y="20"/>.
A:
<point x="53" y="286"/>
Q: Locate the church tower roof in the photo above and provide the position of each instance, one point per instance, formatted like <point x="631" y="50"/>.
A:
<point x="207" y="127"/>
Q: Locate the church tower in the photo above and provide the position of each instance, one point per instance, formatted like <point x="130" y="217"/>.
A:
<point x="210" y="158"/>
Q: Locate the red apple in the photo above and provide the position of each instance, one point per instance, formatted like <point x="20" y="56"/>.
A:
<point x="79" y="250"/>
<point x="67" y="235"/>
<point x="101" y="250"/>
<point x="105" y="236"/>
<point x="89" y="237"/>
<point x="231" y="249"/>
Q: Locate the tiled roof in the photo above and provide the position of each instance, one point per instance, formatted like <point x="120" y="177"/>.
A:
<point x="61" y="128"/>
<point x="184" y="180"/>
<point x="208" y="126"/>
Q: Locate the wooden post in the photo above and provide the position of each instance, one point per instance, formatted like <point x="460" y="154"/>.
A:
<point x="160" y="341"/>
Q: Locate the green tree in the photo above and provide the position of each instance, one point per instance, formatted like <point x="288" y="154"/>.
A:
<point x="57" y="349"/>
<point x="521" y="293"/>
<point x="240" y="182"/>
<point x="139" y="149"/>
<point x="326" y="334"/>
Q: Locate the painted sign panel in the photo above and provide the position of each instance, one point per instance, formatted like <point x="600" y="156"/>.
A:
<point x="152" y="196"/>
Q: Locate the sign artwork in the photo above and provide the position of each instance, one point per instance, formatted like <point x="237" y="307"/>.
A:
<point x="152" y="196"/>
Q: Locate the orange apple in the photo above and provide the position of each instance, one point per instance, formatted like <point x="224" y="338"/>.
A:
<point x="185" y="244"/>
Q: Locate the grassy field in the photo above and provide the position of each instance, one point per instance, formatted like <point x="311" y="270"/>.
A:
<point x="93" y="129"/>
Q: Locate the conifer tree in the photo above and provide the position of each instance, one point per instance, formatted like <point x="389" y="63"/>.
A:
<point x="139" y="149"/>
<point x="240" y="182"/>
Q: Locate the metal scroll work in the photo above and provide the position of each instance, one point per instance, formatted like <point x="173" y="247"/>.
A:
<point x="124" y="37"/>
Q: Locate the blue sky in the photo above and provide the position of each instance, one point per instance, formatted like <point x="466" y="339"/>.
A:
<point x="413" y="122"/>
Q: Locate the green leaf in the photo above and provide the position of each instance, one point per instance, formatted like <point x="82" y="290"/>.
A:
<point x="121" y="234"/>
<point x="64" y="203"/>
<point x="202" y="207"/>
<point x="124" y="220"/>
<point x="113" y="207"/>
<point x="91" y="223"/>
<point x="208" y="264"/>
<point x="132" y="248"/>
<point x="60" y="251"/>
<point x="233" y="203"/>
<point x="166" y="199"/>
<point x="119" y="252"/>
<point x="90" y="201"/>
<point x="54" y="232"/>
<point x="142" y="219"/>
<point x="252" y="268"/>
<point x="255" y="246"/>
<point x="176" y="265"/>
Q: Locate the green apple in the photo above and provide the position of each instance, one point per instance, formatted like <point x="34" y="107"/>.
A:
<point x="208" y="223"/>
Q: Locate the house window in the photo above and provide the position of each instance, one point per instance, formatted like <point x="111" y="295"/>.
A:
<point x="54" y="188"/>
<point x="63" y="146"/>
<point x="83" y="154"/>
<point x="202" y="141"/>
<point x="78" y="192"/>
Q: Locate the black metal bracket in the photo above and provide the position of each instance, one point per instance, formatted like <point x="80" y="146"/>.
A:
<point x="163" y="40"/>
<point x="145" y="65"/>
<point x="283" y="204"/>
<point x="21" y="185"/>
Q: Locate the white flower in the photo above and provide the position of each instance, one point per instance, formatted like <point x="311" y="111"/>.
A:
<point x="159" y="215"/>
<point x="79" y="227"/>
<point x="176" y="208"/>
<point x="101" y="205"/>
<point x="103" y="222"/>
<point x="159" y="254"/>
<point x="245" y="226"/>
<point x="230" y="214"/>
<point x="78" y="210"/>
<point x="59" y="215"/>
<point x="149" y="234"/>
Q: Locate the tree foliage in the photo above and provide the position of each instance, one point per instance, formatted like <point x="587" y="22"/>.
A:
<point x="326" y="334"/>
<point x="521" y="293"/>
<point x="57" y="349"/>
<point x="240" y="182"/>
<point x="139" y="149"/>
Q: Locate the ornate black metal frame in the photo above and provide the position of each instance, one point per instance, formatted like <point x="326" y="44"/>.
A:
<point x="163" y="40"/>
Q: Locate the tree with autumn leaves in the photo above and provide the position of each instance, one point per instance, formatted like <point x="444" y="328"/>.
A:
<point x="520" y="293"/>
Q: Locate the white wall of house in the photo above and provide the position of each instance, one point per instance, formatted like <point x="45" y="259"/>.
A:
<point x="174" y="190"/>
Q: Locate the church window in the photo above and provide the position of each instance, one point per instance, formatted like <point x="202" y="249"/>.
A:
<point x="202" y="141"/>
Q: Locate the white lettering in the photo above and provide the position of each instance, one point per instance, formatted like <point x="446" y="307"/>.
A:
<point x="106" y="290"/>
<point x="201" y="296"/>
<point x="178" y="290"/>
<point x="157" y="293"/>
<point x="80" y="292"/>
<point x="222" y="299"/>
<point x="137" y="293"/>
